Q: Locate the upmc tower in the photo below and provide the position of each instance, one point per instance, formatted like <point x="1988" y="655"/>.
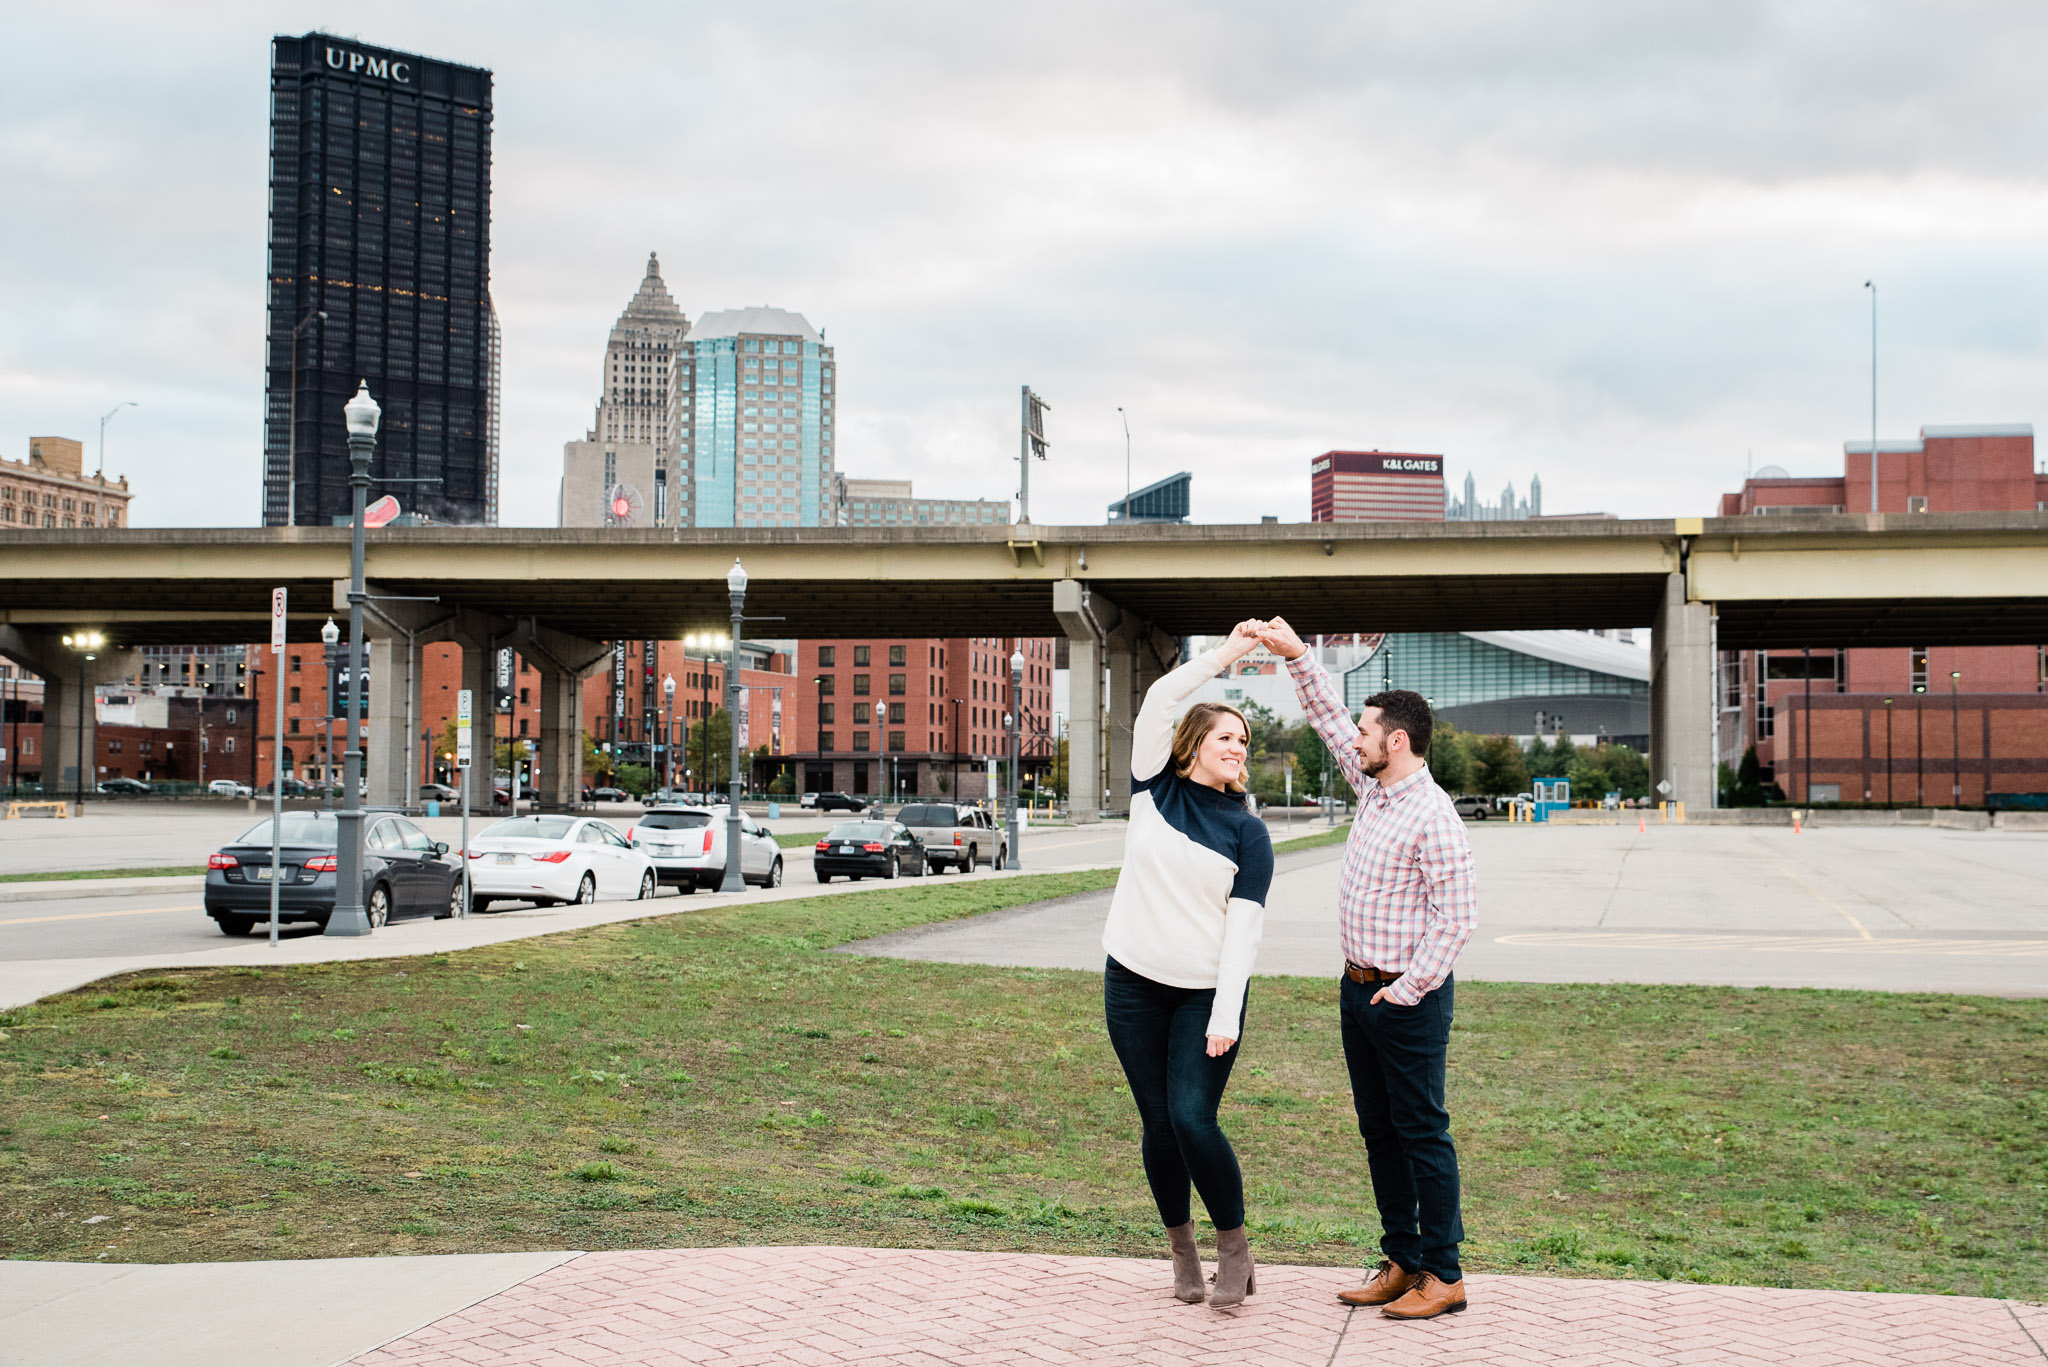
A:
<point x="1375" y="486"/>
<point x="380" y="196"/>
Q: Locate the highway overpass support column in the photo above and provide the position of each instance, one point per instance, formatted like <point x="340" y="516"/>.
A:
<point x="1682" y="699"/>
<point x="392" y="723"/>
<point x="398" y="628"/>
<point x="68" y="680"/>
<point x="1113" y="658"/>
<point x="563" y="662"/>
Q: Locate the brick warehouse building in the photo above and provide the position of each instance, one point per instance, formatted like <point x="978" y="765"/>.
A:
<point x="845" y="716"/>
<point x="1965" y="723"/>
<point x="919" y="716"/>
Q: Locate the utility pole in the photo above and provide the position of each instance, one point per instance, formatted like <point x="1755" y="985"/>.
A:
<point x="1031" y="443"/>
<point x="1127" y="460"/>
<point x="1871" y="285"/>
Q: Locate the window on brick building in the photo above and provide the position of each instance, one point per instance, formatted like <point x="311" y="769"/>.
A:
<point x="895" y="740"/>
<point x="295" y="692"/>
<point x="898" y="685"/>
<point x="860" y="741"/>
<point x="860" y="657"/>
<point x="825" y="717"/>
<point x="896" y="712"/>
<point x="295" y="726"/>
<point x="860" y="712"/>
<point x="825" y="686"/>
<point x="860" y="685"/>
<point x="1919" y="669"/>
<point x="827" y="656"/>
<point x="896" y="655"/>
<point x="824" y="742"/>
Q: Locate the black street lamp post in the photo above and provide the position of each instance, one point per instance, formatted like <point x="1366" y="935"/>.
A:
<point x="330" y="637"/>
<point x="1887" y="752"/>
<point x="348" y="917"/>
<point x="1016" y="730"/>
<point x="1955" y="743"/>
<point x="736" y="589"/>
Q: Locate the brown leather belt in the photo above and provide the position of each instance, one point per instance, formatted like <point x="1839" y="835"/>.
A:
<point x="1366" y="973"/>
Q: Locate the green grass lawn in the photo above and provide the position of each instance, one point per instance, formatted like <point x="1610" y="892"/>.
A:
<point x="719" y="1077"/>
<point x="179" y="869"/>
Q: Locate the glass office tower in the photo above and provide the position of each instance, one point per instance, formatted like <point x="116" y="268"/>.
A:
<point x="757" y="432"/>
<point x="380" y="194"/>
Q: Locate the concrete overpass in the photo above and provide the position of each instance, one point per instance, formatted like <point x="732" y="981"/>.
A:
<point x="1120" y="595"/>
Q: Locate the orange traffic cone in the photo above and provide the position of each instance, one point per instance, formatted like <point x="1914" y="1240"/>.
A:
<point x="1641" y="829"/>
<point x="1795" y="823"/>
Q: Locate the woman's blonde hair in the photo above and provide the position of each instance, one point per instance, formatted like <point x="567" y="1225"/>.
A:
<point x="1194" y="728"/>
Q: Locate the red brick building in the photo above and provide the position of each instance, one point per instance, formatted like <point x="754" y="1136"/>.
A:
<point x="919" y="716"/>
<point x="1375" y="486"/>
<point x="1974" y="717"/>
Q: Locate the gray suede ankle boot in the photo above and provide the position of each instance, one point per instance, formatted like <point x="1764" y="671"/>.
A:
<point x="1235" y="1277"/>
<point x="1187" y="1264"/>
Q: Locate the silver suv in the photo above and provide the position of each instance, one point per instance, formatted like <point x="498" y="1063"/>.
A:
<point x="956" y="836"/>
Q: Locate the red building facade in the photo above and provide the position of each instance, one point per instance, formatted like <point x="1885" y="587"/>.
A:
<point x="1375" y="486"/>
<point x="1964" y="722"/>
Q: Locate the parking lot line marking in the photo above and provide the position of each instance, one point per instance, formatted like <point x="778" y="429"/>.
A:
<point x="1823" y="899"/>
<point x="90" y="915"/>
<point x="1782" y="944"/>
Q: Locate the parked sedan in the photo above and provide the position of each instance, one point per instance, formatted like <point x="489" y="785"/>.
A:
<point x="548" y="859"/>
<point x="126" y="787"/>
<point x="438" y="792"/>
<point x="227" y="787"/>
<point x="404" y="873"/>
<point x="610" y="795"/>
<point x="840" y="802"/>
<point x="687" y="845"/>
<point x="869" y="849"/>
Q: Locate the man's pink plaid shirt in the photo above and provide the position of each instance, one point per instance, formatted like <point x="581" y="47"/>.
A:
<point x="1408" y="899"/>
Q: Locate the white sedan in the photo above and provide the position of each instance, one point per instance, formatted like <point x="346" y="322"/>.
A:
<point x="547" y="859"/>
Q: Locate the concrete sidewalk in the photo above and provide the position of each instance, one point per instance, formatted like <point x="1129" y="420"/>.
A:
<point x="751" y="1307"/>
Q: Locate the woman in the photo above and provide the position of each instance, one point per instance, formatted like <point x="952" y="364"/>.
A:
<point x="1183" y="929"/>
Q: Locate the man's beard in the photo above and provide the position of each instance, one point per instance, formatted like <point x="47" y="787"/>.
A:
<point x="1374" y="765"/>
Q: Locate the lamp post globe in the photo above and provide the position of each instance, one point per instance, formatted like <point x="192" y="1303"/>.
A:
<point x="668" y="711"/>
<point x="736" y="588"/>
<point x="348" y="917"/>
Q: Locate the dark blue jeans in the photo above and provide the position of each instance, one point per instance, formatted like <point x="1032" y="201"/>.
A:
<point x="1161" y="1036"/>
<point x="1396" y="1058"/>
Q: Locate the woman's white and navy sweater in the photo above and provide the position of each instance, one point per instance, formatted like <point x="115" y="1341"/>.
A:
<point x="1190" y="902"/>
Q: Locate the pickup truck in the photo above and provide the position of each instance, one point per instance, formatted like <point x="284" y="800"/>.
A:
<point x="956" y="836"/>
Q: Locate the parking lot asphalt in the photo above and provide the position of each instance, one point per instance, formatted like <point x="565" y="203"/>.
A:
<point x="1887" y="909"/>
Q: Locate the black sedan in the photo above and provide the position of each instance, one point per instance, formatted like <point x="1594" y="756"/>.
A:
<point x="869" y="849"/>
<point x="404" y="873"/>
<point x="840" y="802"/>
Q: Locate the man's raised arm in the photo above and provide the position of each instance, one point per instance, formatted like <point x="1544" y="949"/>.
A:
<point x="1319" y="698"/>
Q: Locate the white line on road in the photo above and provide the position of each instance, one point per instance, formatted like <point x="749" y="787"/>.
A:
<point x="1807" y="944"/>
<point x="90" y="915"/>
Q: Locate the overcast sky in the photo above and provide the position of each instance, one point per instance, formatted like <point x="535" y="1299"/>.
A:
<point x="1621" y="245"/>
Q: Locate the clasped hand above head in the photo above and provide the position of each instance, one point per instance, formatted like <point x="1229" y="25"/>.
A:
<point x="1272" y="633"/>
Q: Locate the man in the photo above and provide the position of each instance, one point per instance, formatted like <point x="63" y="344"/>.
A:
<point x="1406" y="906"/>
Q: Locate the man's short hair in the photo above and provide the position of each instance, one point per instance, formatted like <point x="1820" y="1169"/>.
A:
<point x="1401" y="710"/>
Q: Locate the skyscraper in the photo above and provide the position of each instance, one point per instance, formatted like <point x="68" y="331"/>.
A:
<point x="380" y="192"/>
<point x="626" y="471"/>
<point x="757" y="440"/>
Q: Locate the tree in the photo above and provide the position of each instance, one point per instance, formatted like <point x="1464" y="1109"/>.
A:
<point x="1312" y="762"/>
<point x="1498" y="766"/>
<point x="1750" y="787"/>
<point x="1450" y="758"/>
<point x="710" y="754"/>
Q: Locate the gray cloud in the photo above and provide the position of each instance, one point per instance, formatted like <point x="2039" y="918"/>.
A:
<point x="1619" y="244"/>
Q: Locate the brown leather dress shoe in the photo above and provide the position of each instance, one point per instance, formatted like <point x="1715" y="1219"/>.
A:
<point x="1427" y="1298"/>
<point x="1387" y="1284"/>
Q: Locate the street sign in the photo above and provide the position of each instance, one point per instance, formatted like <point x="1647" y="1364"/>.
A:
<point x="462" y="729"/>
<point x="277" y="621"/>
<point x="1664" y="786"/>
<point x="380" y="512"/>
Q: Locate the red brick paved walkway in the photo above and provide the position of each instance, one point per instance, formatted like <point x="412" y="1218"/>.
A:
<point x="823" y="1307"/>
